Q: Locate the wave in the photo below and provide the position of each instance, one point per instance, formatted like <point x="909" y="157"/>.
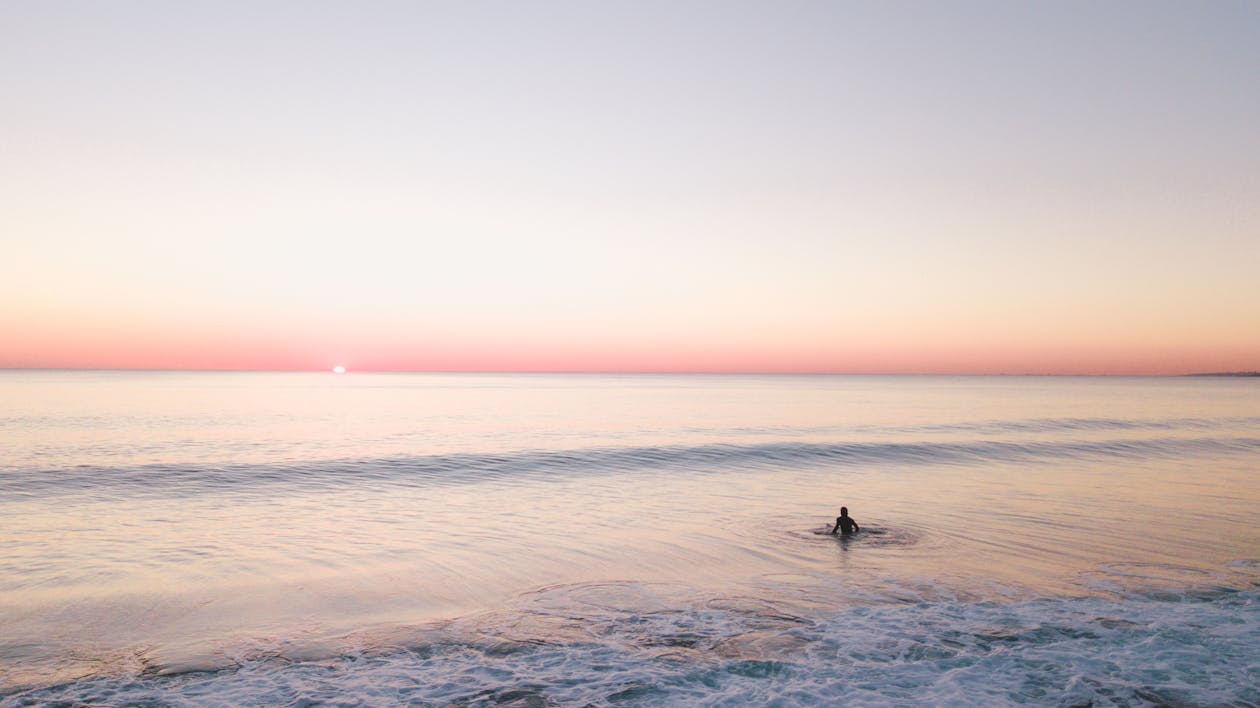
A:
<point x="533" y="465"/>
<point x="981" y="427"/>
<point x="1060" y="425"/>
<point x="606" y="643"/>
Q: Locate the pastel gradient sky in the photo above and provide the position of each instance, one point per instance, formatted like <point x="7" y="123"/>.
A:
<point x="954" y="187"/>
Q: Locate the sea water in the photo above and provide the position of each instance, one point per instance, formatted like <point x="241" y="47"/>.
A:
<point x="280" y="538"/>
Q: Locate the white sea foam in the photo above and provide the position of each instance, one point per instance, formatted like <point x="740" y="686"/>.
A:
<point x="595" y="645"/>
<point x="268" y="538"/>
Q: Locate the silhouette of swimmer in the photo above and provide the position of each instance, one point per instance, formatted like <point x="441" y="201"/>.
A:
<point x="845" y="524"/>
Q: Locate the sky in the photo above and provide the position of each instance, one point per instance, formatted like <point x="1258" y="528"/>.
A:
<point x="851" y="187"/>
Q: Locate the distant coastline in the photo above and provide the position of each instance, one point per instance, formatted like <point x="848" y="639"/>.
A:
<point x="1229" y="373"/>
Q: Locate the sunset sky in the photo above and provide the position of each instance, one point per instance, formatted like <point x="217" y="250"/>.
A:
<point x="954" y="187"/>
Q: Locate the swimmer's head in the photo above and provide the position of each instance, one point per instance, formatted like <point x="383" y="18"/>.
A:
<point x="844" y="511"/>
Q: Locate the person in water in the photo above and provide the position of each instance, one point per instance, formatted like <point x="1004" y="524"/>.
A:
<point x="845" y="524"/>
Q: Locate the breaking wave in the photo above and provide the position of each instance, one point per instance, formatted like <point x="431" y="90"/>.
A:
<point x="533" y="465"/>
<point x="608" y="643"/>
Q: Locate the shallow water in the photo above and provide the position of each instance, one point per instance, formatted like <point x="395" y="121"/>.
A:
<point x="260" y="538"/>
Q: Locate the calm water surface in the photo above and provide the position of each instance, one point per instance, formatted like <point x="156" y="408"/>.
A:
<point x="259" y="537"/>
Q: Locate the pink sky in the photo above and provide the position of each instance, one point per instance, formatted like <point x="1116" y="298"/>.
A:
<point x="855" y="188"/>
<point x="103" y="345"/>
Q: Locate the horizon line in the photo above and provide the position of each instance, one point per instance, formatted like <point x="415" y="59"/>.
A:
<point x="612" y="372"/>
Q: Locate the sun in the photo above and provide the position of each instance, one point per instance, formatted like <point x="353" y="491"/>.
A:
<point x="339" y="369"/>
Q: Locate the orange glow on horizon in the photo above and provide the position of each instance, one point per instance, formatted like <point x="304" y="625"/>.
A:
<point x="366" y="351"/>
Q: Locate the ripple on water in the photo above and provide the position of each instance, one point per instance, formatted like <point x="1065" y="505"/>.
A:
<point x="1245" y="569"/>
<point x="868" y="537"/>
<point x="661" y="620"/>
<point x="1158" y="580"/>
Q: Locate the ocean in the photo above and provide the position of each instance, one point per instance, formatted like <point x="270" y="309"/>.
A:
<point x="181" y="538"/>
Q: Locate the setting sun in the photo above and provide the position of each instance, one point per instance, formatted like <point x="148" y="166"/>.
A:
<point x="339" y="369"/>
